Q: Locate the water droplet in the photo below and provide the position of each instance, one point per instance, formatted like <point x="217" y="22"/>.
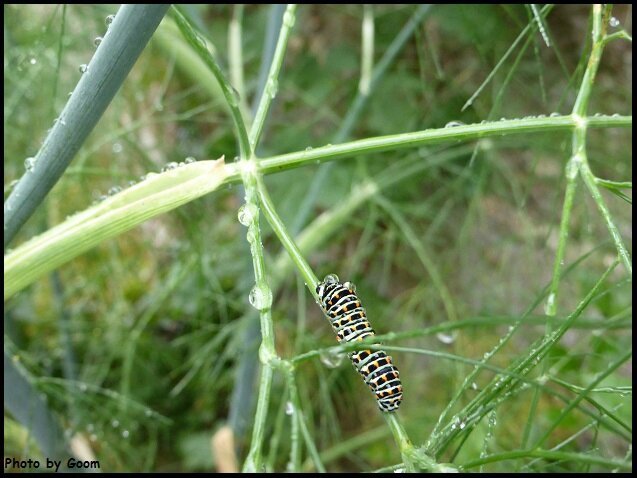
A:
<point x="190" y="160"/>
<point x="235" y="97"/>
<point x="350" y="285"/>
<point x="555" y="114"/>
<point x="201" y="40"/>
<point x="97" y="41"/>
<point x="453" y="124"/>
<point x="29" y="164"/>
<point x="169" y="166"/>
<point x="117" y="148"/>
<point x="260" y="297"/>
<point x="33" y="61"/>
<point x="288" y="19"/>
<point x="131" y="183"/>
<point x="549" y="308"/>
<point x="247" y="213"/>
<point x="474" y="386"/>
<point x="309" y="148"/>
<point x="272" y="87"/>
<point x="446" y="338"/>
<point x="115" y="423"/>
<point x="613" y="22"/>
<point x="109" y="20"/>
<point x="114" y="190"/>
<point x="331" y="279"/>
<point x="83" y="387"/>
<point x="93" y="437"/>
<point x="148" y="413"/>
<point x="125" y="433"/>
<point x="83" y="68"/>
<point x="289" y="408"/>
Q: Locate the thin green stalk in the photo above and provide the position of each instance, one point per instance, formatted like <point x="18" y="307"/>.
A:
<point x="579" y="162"/>
<point x="254" y="461"/>
<point x="261" y="299"/>
<point x="272" y="84"/>
<point x="589" y="180"/>
<point x="298" y="421"/>
<point x="434" y="136"/>
<point x="294" y="463"/>
<point x="367" y="49"/>
<point x="288" y="243"/>
<point x="198" y="43"/>
<point x="571" y="185"/>
<point x="235" y="59"/>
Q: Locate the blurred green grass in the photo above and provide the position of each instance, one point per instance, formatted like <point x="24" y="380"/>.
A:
<point x="490" y="226"/>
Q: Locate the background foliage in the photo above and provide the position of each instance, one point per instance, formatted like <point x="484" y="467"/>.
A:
<point x="139" y="346"/>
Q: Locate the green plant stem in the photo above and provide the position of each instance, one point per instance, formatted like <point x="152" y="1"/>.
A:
<point x="251" y="178"/>
<point x="262" y="291"/>
<point x="589" y="180"/>
<point x="298" y="418"/>
<point x="367" y="49"/>
<point x="380" y="144"/>
<point x="235" y="59"/>
<point x="579" y="162"/>
<point x="271" y="85"/>
<point x="232" y="96"/>
<point x="288" y="243"/>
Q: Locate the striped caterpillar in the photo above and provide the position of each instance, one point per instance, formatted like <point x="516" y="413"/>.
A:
<point x="344" y="311"/>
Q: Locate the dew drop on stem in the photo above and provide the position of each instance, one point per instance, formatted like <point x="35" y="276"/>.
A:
<point x="29" y="164"/>
<point x="247" y="213"/>
<point x="260" y="297"/>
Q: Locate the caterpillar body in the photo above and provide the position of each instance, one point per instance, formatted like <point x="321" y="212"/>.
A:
<point x="347" y="316"/>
